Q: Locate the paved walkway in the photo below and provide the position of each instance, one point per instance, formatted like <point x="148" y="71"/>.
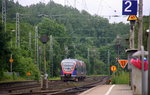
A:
<point x="109" y="90"/>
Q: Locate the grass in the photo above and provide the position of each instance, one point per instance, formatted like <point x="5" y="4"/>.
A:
<point x="10" y="77"/>
<point x="120" y="78"/>
<point x="54" y="78"/>
<point x="96" y="75"/>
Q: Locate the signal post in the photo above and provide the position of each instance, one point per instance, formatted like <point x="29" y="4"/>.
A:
<point x="44" y="82"/>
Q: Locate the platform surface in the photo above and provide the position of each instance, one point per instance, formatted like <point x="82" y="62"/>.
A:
<point x="109" y="90"/>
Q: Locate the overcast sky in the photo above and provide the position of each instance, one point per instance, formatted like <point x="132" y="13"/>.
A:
<point x="105" y="8"/>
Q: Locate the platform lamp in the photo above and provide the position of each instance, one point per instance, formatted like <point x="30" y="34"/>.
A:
<point x="44" y="39"/>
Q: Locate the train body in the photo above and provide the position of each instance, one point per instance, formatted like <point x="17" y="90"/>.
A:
<point x="73" y="69"/>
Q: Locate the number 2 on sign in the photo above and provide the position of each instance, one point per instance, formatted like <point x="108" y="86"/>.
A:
<point x="129" y="5"/>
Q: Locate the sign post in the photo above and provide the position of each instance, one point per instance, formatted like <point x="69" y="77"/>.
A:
<point x="28" y="75"/>
<point x="11" y="60"/>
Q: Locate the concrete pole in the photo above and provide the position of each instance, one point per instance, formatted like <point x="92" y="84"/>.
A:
<point x="132" y="34"/>
<point x="140" y="41"/>
<point x="140" y="32"/>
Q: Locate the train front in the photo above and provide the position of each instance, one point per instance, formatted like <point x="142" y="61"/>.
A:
<point x="68" y="69"/>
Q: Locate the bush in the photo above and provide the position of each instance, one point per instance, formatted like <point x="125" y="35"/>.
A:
<point x="120" y="78"/>
<point x="7" y="76"/>
<point x="26" y="65"/>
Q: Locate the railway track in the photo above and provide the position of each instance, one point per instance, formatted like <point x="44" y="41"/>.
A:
<point x="56" y="87"/>
<point x="18" y="86"/>
<point x="72" y="91"/>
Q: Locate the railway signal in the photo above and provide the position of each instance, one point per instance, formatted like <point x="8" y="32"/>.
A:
<point x="44" y="39"/>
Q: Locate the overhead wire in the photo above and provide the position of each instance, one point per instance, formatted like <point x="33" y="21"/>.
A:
<point x="100" y="3"/>
<point x="68" y="3"/>
<point x="84" y="5"/>
<point x="114" y="10"/>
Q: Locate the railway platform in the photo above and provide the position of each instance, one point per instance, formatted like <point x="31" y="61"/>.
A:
<point x="115" y="89"/>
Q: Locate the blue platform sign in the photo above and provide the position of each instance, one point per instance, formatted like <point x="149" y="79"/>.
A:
<point x="129" y="7"/>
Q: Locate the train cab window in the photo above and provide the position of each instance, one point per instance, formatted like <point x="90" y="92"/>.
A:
<point x="67" y="66"/>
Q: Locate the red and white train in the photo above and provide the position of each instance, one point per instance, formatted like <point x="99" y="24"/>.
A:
<point x="73" y="69"/>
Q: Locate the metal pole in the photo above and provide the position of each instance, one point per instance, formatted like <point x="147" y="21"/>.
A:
<point x="4" y="14"/>
<point x="29" y="40"/>
<point x="11" y="63"/>
<point x="51" y="54"/>
<point x="88" y="56"/>
<point x="143" y="73"/>
<point x="11" y="53"/>
<point x="45" y="58"/>
<point x="140" y="33"/>
<point x="37" y="46"/>
<point x="149" y="58"/>
<point x="108" y="62"/>
<point x="40" y="54"/>
<point x="11" y="39"/>
<point x="45" y="80"/>
<point x="74" y="3"/>
<point x="17" y="30"/>
<point x="118" y="45"/>
<point x="74" y="46"/>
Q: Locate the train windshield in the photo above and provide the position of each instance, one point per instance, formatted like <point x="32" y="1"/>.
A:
<point x="68" y="66"/>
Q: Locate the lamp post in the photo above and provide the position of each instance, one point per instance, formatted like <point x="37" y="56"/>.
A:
<point x="11" y="37"/>
<point x="11" y="59"/>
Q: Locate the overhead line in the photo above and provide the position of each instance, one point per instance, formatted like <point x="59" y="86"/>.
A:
<point x="82" y="37"/>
